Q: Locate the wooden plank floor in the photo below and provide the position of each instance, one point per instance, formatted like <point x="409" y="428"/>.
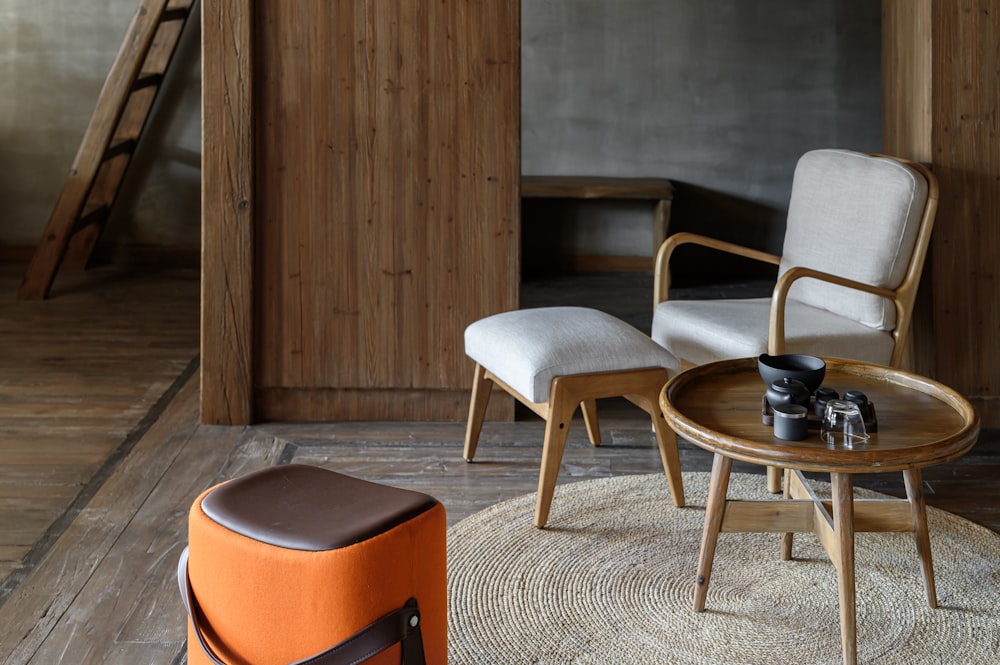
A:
<point x="97" y="586"/>
<point x="79" y="374"/>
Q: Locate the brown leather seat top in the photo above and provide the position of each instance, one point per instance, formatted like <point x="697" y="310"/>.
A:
<point x="309" y="508"/>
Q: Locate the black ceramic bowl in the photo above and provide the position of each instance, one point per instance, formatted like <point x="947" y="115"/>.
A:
<point x="810" y="370"/>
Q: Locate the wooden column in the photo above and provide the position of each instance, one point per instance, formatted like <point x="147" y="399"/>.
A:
<point x="227" y="210"/>
<point x="941" y="104"/>
<point x="382" y="141"/>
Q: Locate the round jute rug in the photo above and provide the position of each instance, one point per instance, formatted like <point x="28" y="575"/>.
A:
<point x="610" y="580"/>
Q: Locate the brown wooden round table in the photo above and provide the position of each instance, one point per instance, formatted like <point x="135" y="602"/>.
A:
<point x="920" y="423"/>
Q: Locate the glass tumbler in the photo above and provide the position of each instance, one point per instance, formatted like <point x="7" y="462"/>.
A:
<point x="843" y="425"/>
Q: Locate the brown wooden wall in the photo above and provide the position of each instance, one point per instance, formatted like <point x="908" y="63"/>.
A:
<point x="384" y="212"/>
<point x="941" y="104"/>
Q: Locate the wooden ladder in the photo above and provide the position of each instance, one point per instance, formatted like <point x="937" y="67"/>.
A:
<point x="111" y="138"/>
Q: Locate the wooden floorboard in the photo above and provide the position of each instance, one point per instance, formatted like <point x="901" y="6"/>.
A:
<point x="95" y="584"/>
<point x="79" y="372"/>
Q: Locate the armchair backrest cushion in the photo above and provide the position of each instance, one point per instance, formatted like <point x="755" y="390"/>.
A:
<point x="855" y="216"/>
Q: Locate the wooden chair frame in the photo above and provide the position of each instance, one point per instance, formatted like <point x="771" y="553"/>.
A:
<point x="640" y="386"/>
<point x="903" y="296"/>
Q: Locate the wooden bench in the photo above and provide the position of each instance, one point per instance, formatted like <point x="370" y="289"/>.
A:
<point x="658" y="190"/>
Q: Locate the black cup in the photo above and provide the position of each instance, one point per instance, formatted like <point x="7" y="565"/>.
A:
<point x="823" y="395"/>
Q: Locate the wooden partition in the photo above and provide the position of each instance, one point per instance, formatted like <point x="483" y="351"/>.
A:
<point x="361" y="204"/>
<point x="941" y="105"/>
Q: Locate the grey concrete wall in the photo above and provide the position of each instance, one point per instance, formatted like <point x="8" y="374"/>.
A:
<point x="721" y="96"/>
<point x="54" y="58"/>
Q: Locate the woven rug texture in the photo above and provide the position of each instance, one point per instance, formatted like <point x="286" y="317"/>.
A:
<point x="611" y="580"/>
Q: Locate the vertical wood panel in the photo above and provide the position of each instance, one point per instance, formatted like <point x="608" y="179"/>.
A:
<point x="966" y="139"/>
<point x="906" y="132"/>
<point x="227" y="213"/>
<point x="958" y="323"/>
<point x="906" y="79"/>
<point x="387" y="199"/>
<point x="389" y="169"/>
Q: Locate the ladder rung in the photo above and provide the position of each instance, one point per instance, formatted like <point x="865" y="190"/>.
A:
<point x="147" y="81"/>
<point x="96" y="216"/>
<point x="175" y="14"/>
<point x="126" y="147"/>
<point x="179" y="4"/>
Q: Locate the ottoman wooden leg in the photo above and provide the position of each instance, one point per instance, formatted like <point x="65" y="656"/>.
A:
<point x="647" y="397"/>
<point x="561" y="408"/>
<point x="589" y="407"/>
<point x="580" y="355"/>
<point x="481" y="389"/>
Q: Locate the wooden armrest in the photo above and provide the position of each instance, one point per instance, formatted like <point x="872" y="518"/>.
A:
<point x="776" y="331"/>
<point x="661" y="283"/>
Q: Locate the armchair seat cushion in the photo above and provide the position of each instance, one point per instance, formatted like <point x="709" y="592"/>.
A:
<point x="703" y="331"/>
<point x="527" y="348"/>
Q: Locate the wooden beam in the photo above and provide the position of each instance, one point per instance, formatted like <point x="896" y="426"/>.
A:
<point x="227" y="337"/>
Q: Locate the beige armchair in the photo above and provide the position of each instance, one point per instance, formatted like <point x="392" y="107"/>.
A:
<point x="856" y="238"/>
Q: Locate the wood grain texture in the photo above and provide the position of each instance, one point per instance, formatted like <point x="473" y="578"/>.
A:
<point x="142" y="619"/>
<point x="318" y="404"/>
<point x="101" y="526"/>
<point x="842" y="555"/>
<point x="921" y="422"/>
<point x="906" y="79"/>
<point x="966" y="127"/>
<point x="918" y="511"/>
<point x="80" y="373"/>
<point x="96" y="598"/>
<point x="941" y="104"/>
<point x="227" y="213"/>
<point x="906" y="131"/>
<point x="387" y="218"/>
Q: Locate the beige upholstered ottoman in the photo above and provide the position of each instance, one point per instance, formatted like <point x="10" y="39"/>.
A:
<point x="554" y="358"/>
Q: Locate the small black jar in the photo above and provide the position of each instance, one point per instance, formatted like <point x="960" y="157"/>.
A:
<point x="791" y="422"/>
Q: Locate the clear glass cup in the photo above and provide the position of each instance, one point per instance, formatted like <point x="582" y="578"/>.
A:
<point x="843" y="425"/>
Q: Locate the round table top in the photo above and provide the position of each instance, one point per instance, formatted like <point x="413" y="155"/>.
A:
<point x="920" y="422"/>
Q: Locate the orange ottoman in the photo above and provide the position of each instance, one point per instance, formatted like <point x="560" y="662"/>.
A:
<point x="297" y="562"/>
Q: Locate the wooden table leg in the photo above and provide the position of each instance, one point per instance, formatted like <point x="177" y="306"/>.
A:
<point x="715" y="510"/>
<point x="786" y="538"/>
<point x="918" y="510"/>
<point x="774" y="479"/>
<point x="843" y="524"/>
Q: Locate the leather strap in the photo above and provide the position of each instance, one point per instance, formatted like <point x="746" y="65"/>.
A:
<point x="402" y="625"/>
